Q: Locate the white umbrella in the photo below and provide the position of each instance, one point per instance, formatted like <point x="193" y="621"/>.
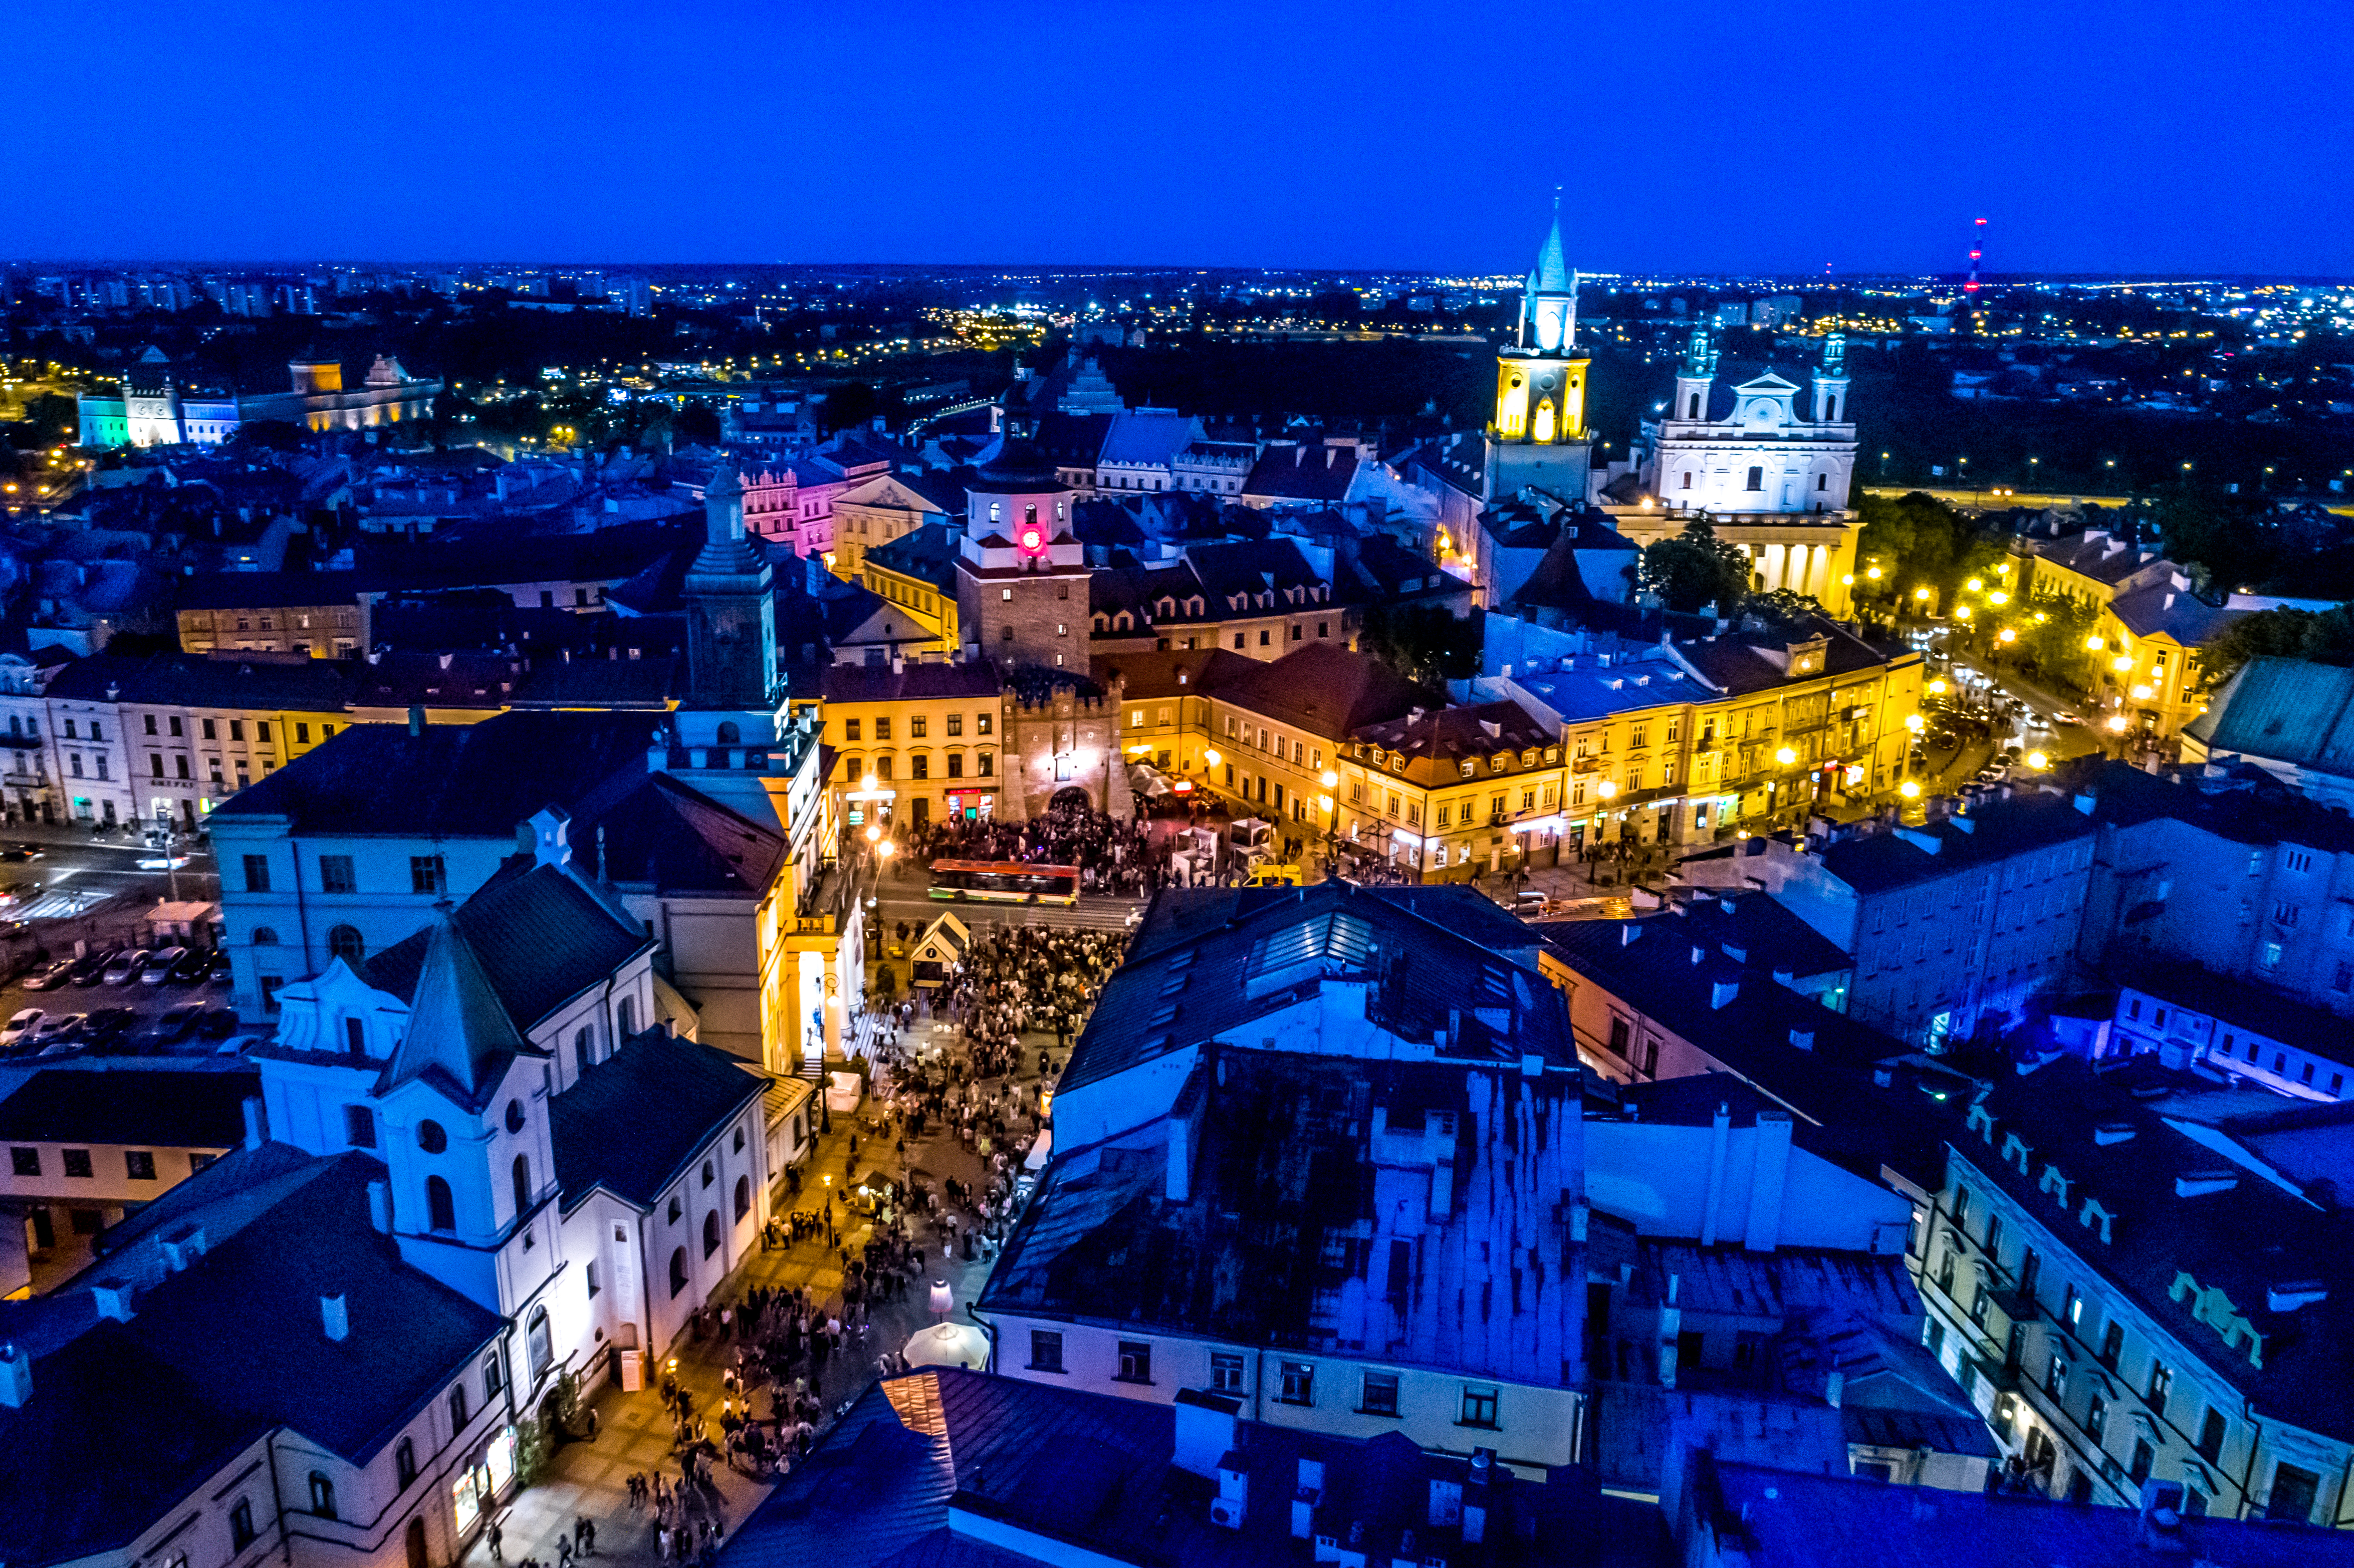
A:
<point x="947" y="1345"/>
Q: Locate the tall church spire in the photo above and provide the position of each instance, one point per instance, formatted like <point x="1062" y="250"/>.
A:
<point x="1552" y="297"/>
<point x="456" y="1022"/>
<point x="731" y="639"/>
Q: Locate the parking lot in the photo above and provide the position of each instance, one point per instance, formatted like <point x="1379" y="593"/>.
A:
<point x="72" y="908"/>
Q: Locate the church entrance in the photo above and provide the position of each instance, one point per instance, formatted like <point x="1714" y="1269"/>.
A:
<point x="418" y="1555"/>
<point x="1070" y="798"/>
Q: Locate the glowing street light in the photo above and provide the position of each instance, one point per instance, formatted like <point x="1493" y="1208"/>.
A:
<point x="1210" y="756"/>
<point x="2118" y="723"/>
<point x="2094" y="643"/>
<point x="1961" y="612"/>
<point x="1329" y="780"/>
<point x="1909" y="789"/>
<point x="1997" y="597"/>
<point x="874" y="832"/>
<point x="1786" y="756"/>
<point x="1873" y="573"/>
<point x="1606" y="789"/>
<point x="1938" y="685"/>
<point x="1921" y="594"/>
<point x="1976" y="584"/>
<point x="2007" y="635"/>
<point x="2141" y="694"/>
<point x="2122" y="662"/>
<point x="887" y="849"/>
<point x="2037" y="760"/>
<point x="1915" y="723"/>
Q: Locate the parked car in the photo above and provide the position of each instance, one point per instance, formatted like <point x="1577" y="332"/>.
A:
<point x="50" y="976"/>
<point x="59" y="1026"/>
<point x="20" y="1027"/>
<point x="10" y="929"/>
<point x="159" y="965"/>
<point x="194" y="965"/>
<point x="217" y="972"/>
<point x="126" y="965"/>
<point x="237" y="1044"/>
<point x="172" y="1027"/>
<point x="218" y="1023"/>
<point x="17" y="853"/>
<point x="21" y="892"/>
<point x="92" y="968"/>
<point x="2072" y="721"/>
<point x="108" y="1024"/>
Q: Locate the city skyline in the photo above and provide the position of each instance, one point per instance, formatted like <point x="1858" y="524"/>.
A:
<point x="1276" y="145"/>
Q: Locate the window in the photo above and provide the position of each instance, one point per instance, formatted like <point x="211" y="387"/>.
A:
<point x="2096" y="1418"/>
<point x="2161" y="1383"/>
<point x="260" y="731"/>
<point x="345" y="942"/>
<point x="403" y="1464"/>
<point x="257" y="874"/>
<point x="2056" y="1378"/>
<point x="918" y="728"/>
<point x="1380" y="1395"/>
<point x="24" y="1161"/>
<point x="709" y="1173"/>
<point x="430" y="1138"/>
<point x="520" y="1172"/>
<point x="956" y="764"/>
<point x="323" y="1496"/>
<point x="2113" y="1344"/>
<point x="78" y="1162"/>
<point x="1994" y="1237"/>
<point x="1135" y="1362"/>
<point x="2210" y="1436"/>
<point x="139" y="1164"/>
<point x="538" y="1343"/>
<point x="151" y="724"/>
<point x="336" y="875"/>
<point x="427" y="874"/>
<point x="457" y="1404"/>
<point x="1299" y="1384"/>
<point x="1961" y="1207"/>
<point x="241" y="1524"/>
<point x="711" y="1233"/>
<point x="359" y="1127"/>
<point x="1045" y="1350"/>
<point x="677" y="1271"/>
<point x="881" y="729"/>
<point x="1756" y="480"/>
<point x="2144" y="1457"/>
<point x="441" y="1208"/>
<point x="1225" y="1374"/>
<point x="583" y="1043"/>
<point x="920" y="765"/>
<point x="850" y="729"/>
<point x="1478" y="1406"/>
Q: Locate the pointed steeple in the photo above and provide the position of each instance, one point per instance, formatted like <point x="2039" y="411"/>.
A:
<point x="456" y="1022"/>
<point x="1552" y="265"/>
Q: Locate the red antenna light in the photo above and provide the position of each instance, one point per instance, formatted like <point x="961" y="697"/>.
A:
<point x="1978" y="249"/>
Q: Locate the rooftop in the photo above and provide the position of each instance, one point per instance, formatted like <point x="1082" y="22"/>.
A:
<point x="630" y="1124"/>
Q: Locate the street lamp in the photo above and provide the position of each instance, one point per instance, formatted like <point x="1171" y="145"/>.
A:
<point x="1909" y="789"/>
<point x="1786" y="756"/>
<point x="1210" y="756"/>
<point x="1915" y="723"/>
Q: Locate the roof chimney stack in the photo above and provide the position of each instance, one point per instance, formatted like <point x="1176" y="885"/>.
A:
<point x="16" y="1375"/>
<point x="335" y="1317"/>
<point x="255" y="1134"/>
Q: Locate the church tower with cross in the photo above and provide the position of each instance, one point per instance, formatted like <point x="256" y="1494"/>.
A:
<point x="1537" y="434"/>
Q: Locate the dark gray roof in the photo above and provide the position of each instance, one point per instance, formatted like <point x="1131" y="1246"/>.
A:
<point x="267" y="590"/>
<point x="1290" y="1141"/>
<point x="1324" y="688"/>
<point x="1090" y="1474"/>
<point x="974" y="678"/>
<point x="127" y="1417"/>
<point x="460" y="1035"/>
<point x="283" y="684"/>
<point x="664" y="832"/>
<point x="162" y="1109"/>
<point x="631" y="1122"/>
<point x="453" y="780"/>
<point x="928" y="554"/>
<point x="1994" y="831"/>
<point x="1786" y="1518"/>
<point x="1231" y="960"/>
<point x="535" y="934"/>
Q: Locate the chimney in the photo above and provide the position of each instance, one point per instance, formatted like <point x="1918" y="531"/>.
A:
<point x="1721" y="993"/>
<point x="380" y="1206"/>
<point x="417" y="720"/>
<point x="1768" y="1173"/>
<point x="256" y="1133"/>
<point x="1206" y="1430"/>
<point x="1834" y="1389"/>
<point x="1478" y="1496"/>
<point x="182" y="1247"/>
<point x="16" y="1375"/>
<point x="1671" y="1326"/>
<point x="335" y="1317"/>
<point x="113" y="1298"/>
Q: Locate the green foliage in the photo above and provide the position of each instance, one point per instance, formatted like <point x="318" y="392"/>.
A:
<point x="1695" y="569"/>
<point x="1425" y="644"/>
<point x="697" y="423"/>
<point x="50" y="419"/>
<point x="2056" y="643"/>
<point x="2322" y="637"/>
<point x="1918" y="540"/>
<point x="534" y="1446"/>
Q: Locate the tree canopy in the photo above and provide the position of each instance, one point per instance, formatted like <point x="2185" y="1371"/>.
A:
<point x="2320" y="637"/>
<point x="1695" y="569"/>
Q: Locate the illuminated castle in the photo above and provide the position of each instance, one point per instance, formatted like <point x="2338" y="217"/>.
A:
<point x="153" y="408"/>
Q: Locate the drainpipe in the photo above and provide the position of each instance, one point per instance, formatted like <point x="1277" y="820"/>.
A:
<point x="986" y="1326"/>
<point x="1720" y="1136"/>
<point x="277" y="1501"/>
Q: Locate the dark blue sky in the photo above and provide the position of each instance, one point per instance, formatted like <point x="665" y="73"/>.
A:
<point x="2166" y="136"/>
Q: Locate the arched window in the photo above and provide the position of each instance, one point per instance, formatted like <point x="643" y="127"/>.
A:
<point x="583" y="1042"/>
<point x="537" y="1344"/>
<point x="729" y="734"/>
<point x="711" y="1233"/>
<point x="345" y="942"/>
<point x="626" y="1017"/>
<point x="515" y="1115"/>
<point x="441" y="1208"/>
<point x="677" y="1270"/>
<point x="1694" y="412"/>
<point x="430" y="1138"/>
<point x="322" y="1495"/>
<point x="521" y="1182"/>
<point x="742" y="1196"/>
<point x="265" y="937"/>
<point x="404" y="1463"/>
<point x="1830" y="410"/>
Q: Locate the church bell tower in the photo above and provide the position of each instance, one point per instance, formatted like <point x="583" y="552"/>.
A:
<point x="1541" y="379"/>
<point x="731" y="631"/>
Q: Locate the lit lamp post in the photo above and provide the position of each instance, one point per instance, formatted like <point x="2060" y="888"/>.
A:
<point x="1331" y="804"/>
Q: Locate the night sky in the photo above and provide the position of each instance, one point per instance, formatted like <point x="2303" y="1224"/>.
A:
<point x="2176" y="137"/>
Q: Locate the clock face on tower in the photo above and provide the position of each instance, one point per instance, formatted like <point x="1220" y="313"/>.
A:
<point x="1031" y="540"/>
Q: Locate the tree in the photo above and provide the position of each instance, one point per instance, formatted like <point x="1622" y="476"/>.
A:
<point x="1427" y="644"/>
<point x="1695" y="568"/>
<point x="2322" y="637"/>
<point x="1920" y="542"/>
<point x="697" y="423"/>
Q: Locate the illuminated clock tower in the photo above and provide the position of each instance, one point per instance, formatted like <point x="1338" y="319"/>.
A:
<point x="1538" y="435"/>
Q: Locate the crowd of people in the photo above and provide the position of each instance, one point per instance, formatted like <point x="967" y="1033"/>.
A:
<point x="1113" y="857"/>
